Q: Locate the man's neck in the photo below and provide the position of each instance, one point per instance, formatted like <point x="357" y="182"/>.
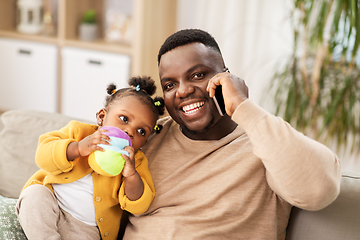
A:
<point x="217" y="131"/>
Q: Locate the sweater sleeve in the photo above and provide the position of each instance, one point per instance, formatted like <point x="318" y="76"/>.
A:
<point x="51" y="152"/>
<point x="300" y="170"/>
<point x="142" y="204"/>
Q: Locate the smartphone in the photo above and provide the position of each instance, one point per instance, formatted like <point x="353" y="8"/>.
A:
<point x="219" y="100"/>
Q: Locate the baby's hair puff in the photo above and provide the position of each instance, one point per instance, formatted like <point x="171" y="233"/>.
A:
<point x="142" y="87"/>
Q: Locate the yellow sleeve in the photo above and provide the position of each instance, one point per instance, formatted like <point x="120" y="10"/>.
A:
<point x="142" y="204"/>
<point x="51" y="151"/>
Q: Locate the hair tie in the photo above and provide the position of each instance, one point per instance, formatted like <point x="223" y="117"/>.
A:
<point x="157" y="103"/>
<point x="137" y="88"/>
<point x="158" y="128"/>
<point x="113" y="91"/>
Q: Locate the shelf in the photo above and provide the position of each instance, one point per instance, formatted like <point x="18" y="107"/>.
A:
<point x="100" y="45"/>
<point x="152" y="22"/>
<point x="35" y="38"/>
<point x="69" y="15"/>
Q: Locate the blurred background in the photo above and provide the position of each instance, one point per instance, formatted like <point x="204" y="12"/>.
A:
<point x="299" y="58"/>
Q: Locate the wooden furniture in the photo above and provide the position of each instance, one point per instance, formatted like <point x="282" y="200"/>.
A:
<point x="28" y="75"/>
<point x="153" y="21"/>
<point x="85" y="77"/>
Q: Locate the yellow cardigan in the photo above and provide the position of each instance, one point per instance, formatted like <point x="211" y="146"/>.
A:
<point x="108" y="195"/>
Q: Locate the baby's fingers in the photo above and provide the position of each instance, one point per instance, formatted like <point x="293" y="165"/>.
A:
<point x="100" y="137"/>
<point x="129" y="167"/>
<point x="130" y="150"/>
<point x="90" y="143"/>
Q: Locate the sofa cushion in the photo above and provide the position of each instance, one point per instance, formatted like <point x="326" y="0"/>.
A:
<point x="10" y="228"/>
<point x="339" y="220"/>
<point x="18" y="142"/>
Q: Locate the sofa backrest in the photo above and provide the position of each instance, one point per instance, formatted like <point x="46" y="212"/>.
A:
<point x="338" y="221"/>
<point x="18" y="142"/>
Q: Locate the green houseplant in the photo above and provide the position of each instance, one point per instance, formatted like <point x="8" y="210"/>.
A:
<point x="318" y="91"/>
<point x="89" y="17"/>
<point x="88" y="28"/>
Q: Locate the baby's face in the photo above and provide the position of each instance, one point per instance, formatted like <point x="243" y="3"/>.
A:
<point x="133" y="117"/>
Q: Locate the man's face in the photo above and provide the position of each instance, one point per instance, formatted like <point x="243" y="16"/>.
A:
<point x="184" y="74"/>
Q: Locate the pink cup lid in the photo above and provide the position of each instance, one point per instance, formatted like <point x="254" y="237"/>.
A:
<point x="116" y="132"/>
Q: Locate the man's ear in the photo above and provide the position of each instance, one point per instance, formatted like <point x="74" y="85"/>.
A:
<point x="100" y="115"/>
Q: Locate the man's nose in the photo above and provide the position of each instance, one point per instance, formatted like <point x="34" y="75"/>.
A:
<point x="184" y="89"/>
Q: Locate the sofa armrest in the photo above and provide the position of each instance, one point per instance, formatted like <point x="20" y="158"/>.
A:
<point x="339" y="220"/>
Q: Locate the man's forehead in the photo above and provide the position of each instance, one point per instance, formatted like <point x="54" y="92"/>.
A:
<point x="188" y="51"/>
<point x="193" y="52"/>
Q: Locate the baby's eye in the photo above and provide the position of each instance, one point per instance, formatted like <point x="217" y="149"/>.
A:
<point x="124" y="119"/>
<point x="142" y="131"/>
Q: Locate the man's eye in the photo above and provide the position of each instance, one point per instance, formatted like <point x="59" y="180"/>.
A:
<point x="198" y="75"/>
<point x="168" y="86"/>
<point x="142" y="131"/>
<point x="124" y="119"/>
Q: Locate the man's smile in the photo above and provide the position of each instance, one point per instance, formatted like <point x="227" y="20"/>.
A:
<point x="193" y="107"/>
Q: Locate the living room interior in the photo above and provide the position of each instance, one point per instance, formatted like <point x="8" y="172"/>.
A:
<point x="255" y="42"/>
<point x="48" y="64"/>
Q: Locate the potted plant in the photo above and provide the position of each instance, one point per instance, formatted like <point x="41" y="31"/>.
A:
<point x="88" y="29"/>
<point x="318" y="91"/>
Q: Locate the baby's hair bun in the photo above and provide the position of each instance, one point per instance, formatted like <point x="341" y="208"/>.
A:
<point x="158" y="128"/>
<point x="111" y="89"/>
<point x="159" y="105"/>
<point x="145" y="83"/>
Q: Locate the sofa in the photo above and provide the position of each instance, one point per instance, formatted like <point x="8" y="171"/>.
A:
<point x="19" y="132"/>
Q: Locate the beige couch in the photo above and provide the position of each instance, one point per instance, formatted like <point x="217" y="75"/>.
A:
<point x="19" y="132"/>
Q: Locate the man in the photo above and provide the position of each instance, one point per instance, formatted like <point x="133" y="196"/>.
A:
<point x="225" y="177"/>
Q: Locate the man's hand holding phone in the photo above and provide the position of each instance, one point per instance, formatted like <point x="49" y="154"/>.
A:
<point x="228" y="92"/>
<point x="219" y="101"/>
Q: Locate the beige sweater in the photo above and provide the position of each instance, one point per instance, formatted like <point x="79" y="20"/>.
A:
<point x="239" y="187"/>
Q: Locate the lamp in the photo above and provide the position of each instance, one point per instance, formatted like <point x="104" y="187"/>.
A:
<point x="30" y="16"/>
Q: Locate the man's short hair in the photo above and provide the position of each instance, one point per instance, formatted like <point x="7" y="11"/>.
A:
<point x="187" y="36"/>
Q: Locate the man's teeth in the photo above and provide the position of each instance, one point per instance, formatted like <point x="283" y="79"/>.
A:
<point x="193" y="107"/>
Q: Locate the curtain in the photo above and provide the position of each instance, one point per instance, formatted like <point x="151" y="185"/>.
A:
<point x="255" y="36"/>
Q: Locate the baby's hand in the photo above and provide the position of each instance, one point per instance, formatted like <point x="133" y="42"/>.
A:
<point x="90" y="143"/>
<point x="129" y="168"/>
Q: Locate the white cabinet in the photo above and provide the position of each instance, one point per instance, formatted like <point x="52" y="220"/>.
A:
<point x="28" y="75"/>
<point x="85" y="77"/>
<point x="151" y="22"/>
